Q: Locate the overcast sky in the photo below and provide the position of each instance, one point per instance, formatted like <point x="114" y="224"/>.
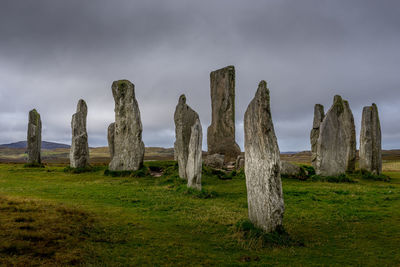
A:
<point x="53" y="52"/>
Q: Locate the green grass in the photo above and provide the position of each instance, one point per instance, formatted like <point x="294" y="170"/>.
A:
<point x="158" y="221"/>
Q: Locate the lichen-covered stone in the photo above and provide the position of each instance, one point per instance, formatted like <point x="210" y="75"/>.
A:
<point x="184" y="119"/>
<point x="79" y="153"/>
<point x="110" y="139"/>
<point x="318" y="118"/>
<point x="34" y="138"/>
<point x="371" y="141"/>
<point x="128" y="144"/>
<point x="336" y="146"/>
<point x="194" y="161"/>
<point x="221" y="132"/>
<point x="262" y="163"/>
<point x="215" y="161"/>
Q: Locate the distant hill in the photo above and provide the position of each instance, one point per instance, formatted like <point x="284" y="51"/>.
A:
<point x="45" y="145"/>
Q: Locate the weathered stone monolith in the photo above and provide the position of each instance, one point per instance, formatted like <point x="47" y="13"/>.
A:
<point x="262" y="163"/>
<point x="336" y="146"/>
<point x="110" y="139"/>
<point x="184" y="119"/>
<point x="289" y="169"/>
<point x="215" y="161"/>
<point x="79" y="152"/>
<point x="34" y="138"/>
<point x="371" y="141"/>
<point x="318" y="118"/>
<point x="221" y="132"/>
<point x="194" y="161"/>
<point x="239" y="162"/>
<point x="128" y="144"/>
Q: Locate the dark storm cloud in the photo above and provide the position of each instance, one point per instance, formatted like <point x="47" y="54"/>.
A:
<point x="54" y="52"/>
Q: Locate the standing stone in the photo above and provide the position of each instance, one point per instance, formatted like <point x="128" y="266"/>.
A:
<point x="79" y="153"/>
<point x="215" y="161"/>
<point x="184" y="118"/>
<point x="34" y="138"/>
<point x="318" y="118"/>
<point x="371" y="141"/>
<point x="262" y="161"/>
<point x="336" y="145"/>
<point x="128" y="144"/>
<point x="239" y="162"/>
<point x="110" y="138"/>
<point x="221" y="132"/>
<point x="194" y="161"/>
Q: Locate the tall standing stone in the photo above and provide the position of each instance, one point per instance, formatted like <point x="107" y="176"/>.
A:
<point x="221" y="132"/>
<point x="110" y="139"/>
<point x="194" y="161"/>
<point x="318" y="118"/>
<point x="34" y="138"/>
<point x="262" y="161"/>
<point x="128" y="144"/>
<point x="184" y="118"/>
<point x="79" y="153"/>
<point x="371" y="141"/>
<point x="336" y="146"/>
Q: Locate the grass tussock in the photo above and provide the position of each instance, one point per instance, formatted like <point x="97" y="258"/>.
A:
<point x="89" y="168"/>
<point x="251" y="237"/>
<point x="33" y="233"/>
<point x="342" y="178"/>
<point x="142" y="172"/>
<point x="34" y="165"/>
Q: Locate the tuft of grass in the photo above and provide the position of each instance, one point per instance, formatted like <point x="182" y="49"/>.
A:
<point x="202" y="194"/>
<point x="252" y="237"/>
<point x="34" y="165"/>
<point x="142" y="172"/>
<point x="69" y="169"/>
<point x="369" y="176"/>
<point x="342" y="178"/>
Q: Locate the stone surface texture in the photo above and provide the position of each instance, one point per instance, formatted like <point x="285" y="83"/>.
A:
<point x="336" y="145"/>
<point x="184" y="118"/>
<point x="318" y="118"/>
<point x="289" y="169"/>
<point x="371" y="141"/>
<point x="128" y="144"/>
<point x="194" y="161"/>
<point x="215" y="161"/>
<point x="221" y="132"/>
<point x="262" y="164"/>
<point x="34" y="138"/>
<point x="79" y="152"/>
<point x="110" y="139"/>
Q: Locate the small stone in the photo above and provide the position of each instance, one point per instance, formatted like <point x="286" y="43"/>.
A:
<point x="239" y="162"/>
<point x="262" y="167"/>
<point x="185" y="118"/>
<point x="290" y="169"/>
<point x="318" y="118"/>
<point x="128" y="144"/>
<point x="371" y="141"/>
<point x="194" y="162"/>
<point x="221" y="132"/>
<point x="336" y="146"/>
<point x="34" y="138"/>
<point x="79" y="153"/>
<point x="215" y="161"/>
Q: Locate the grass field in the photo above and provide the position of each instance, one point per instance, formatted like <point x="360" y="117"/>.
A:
<point x="51" y="217"/>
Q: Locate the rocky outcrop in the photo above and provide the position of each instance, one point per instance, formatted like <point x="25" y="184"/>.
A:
<point x="34" y="138"/>
<point x="128" y="144"/>
<point x="110" y="139"/>
<point x="194" y="161"/>
<point x="185" y="118"/>
<point x="215" y="161"/>
<point x="221" y="132"/>
<point x="262" y="161"/>
<point x="318" y="118"/>
<point x="371" y="141"/>
<point x="79" y="152"/>
<point x="336" y="145"/>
